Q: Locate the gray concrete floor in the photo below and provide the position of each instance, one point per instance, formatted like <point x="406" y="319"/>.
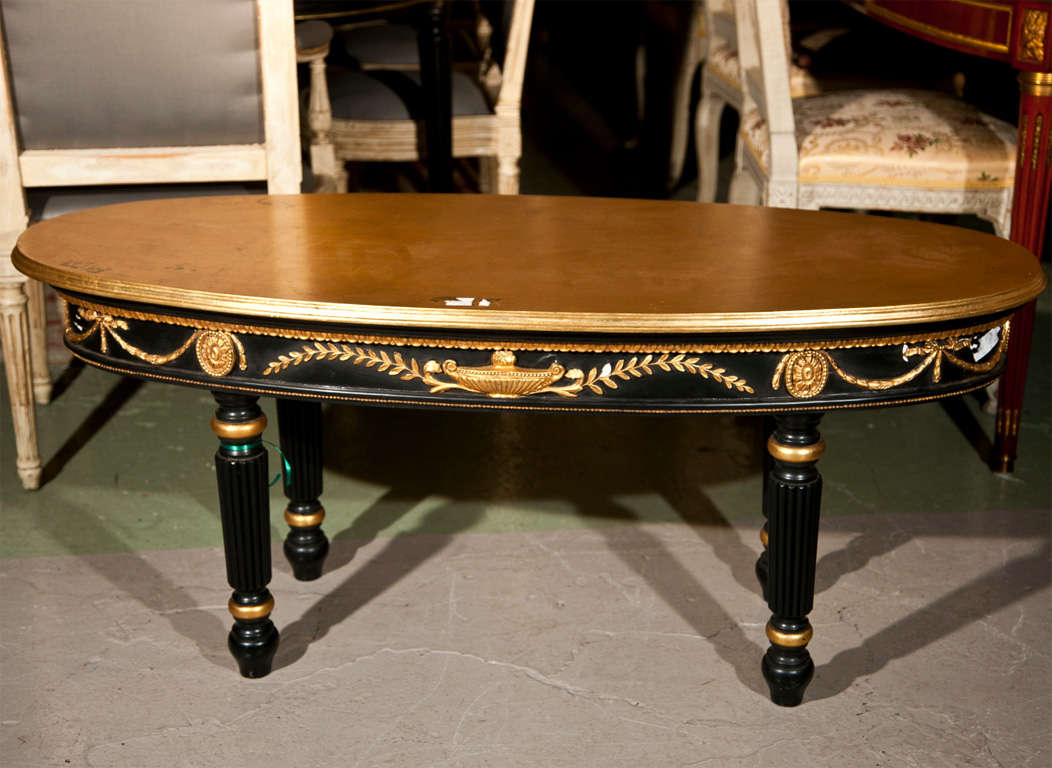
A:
<point x="527" y="590"/>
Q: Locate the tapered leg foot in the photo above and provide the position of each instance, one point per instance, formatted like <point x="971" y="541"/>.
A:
<point x="305" y="549"/>
<point x="253" y="640"/>
<point x="788" y="669"/>
<point x="306" y="544"/>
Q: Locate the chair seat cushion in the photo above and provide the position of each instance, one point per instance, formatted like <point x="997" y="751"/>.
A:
<point x="893" y="137"/>
<point x="722" y="61"/>
<point x="382" y="46"/>
<point x="396" y="95"/>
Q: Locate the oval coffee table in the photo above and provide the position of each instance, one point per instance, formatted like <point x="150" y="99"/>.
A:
<point x="543" y="303"/>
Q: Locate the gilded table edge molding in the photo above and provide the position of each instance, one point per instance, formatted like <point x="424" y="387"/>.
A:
<point x="520" y="320"/>
<point x="522" y="346"/>
<point x="421" y="402"/>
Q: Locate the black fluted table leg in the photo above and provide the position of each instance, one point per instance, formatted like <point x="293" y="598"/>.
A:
<point x="306" y="546"/>
<point x="791" y="504"/>
<point x="241" y="473"/>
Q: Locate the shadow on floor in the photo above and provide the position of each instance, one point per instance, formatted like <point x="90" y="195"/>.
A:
<point x="507" y="463"/>
<point x="121" y="393"/>
<point x="132" y="575"/>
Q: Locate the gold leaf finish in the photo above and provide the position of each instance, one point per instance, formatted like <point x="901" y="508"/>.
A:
<point x="789" y="639"/>
<point x="806" y="373"/>
<point x="215" y="353"/>
<point x="501" y="379"/>
<point x="796" y="454"/>
<point x="286" y="258"/>
<point x="1035" y="22"/>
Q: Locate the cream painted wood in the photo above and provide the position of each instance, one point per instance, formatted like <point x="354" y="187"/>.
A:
<point x="14" y="335"/>
<point x="497" y="136"/>
<point x="146" y="165"/>
<point x="14" y="319"/>
<point x="277" y="162"/>
<point x="764" y="67"/>
<point x="716" y="93"/>
<point x="319" y="122"/>
<point x="37" y="316"/>
<point x="763" y="58"/>
<point x="281" y="116"/>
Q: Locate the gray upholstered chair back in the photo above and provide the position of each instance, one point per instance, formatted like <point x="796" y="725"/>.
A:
<point x="133" y="73"/>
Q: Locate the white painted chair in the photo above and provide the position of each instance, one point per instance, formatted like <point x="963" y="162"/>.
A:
<point x="102" y="93"/>
<point x="373" y="116"/>
<point x="721" y="87"/>
<point x="890" y="149"/>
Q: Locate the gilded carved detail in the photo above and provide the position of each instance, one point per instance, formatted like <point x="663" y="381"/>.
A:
<point x="805" y="373"/>
<point x="503" y="378"/>
<point x="804" y="369"/>
<point x="1035" y="24"/>
<point x="215" y="350"/>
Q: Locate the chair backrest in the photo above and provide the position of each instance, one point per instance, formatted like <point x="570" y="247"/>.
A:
<point x="514" y="67"/>
<point x="99" y="92"/>
<point x="764" y="57"/>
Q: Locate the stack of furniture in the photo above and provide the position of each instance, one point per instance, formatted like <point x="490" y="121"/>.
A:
<point x="377" y="113"/>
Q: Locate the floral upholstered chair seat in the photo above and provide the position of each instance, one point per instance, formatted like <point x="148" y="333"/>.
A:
<point x="900" y="138"/>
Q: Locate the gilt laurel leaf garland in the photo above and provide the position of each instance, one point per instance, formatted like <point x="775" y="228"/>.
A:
<point x="504" y="379"/>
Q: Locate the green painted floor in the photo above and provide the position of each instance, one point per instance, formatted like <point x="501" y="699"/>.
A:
<point x="130" y="467"/>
